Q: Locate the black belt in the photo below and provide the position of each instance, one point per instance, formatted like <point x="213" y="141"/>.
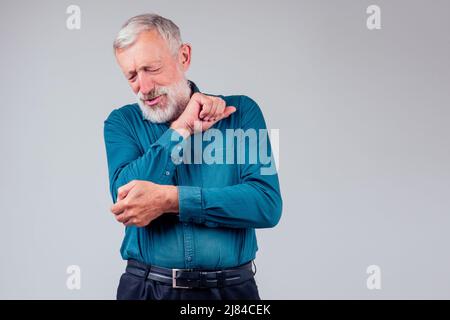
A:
<point x="192" y="278"/>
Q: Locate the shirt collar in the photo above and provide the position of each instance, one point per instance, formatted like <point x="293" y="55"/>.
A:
<point x="194" y="87"/>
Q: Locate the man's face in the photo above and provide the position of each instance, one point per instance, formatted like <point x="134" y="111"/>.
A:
<point x="156" y="76"/>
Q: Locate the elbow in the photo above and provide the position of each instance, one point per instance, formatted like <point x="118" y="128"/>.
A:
<point x="273" y="212"/>
<point x="276" y="213"/>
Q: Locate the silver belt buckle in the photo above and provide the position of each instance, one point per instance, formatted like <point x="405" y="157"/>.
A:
<point x="174" y="279"/>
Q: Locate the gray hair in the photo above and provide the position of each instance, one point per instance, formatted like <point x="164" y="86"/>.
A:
<point x="134" y="26"/>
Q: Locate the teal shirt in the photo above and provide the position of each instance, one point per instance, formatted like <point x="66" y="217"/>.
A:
<point x="221" y="200"/>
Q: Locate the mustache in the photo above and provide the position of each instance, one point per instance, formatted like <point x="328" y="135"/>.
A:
<point x="152" y="94"/>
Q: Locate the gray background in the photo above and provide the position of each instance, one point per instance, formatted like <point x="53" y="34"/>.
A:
<point x="364" y="152"/>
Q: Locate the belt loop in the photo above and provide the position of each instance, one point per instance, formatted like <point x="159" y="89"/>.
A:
<point x="147" y="271"/>
<point x="253" y="262"/>
<point x="203" y="279"/>
<point x="220" y="279"/>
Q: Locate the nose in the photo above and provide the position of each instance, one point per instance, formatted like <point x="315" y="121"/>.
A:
<point x="146" y="83"/>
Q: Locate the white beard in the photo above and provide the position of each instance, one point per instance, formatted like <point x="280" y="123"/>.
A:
<point x="177" y="98"/>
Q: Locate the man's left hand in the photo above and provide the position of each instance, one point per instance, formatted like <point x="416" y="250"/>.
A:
<point x="140" y="202"/>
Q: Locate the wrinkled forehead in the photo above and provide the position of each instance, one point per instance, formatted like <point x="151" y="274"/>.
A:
<point x="149" y="48"/>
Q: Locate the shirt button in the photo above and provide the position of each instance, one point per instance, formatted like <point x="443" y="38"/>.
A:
<point x="167" y="173"/>
<point x="189" y="258"/>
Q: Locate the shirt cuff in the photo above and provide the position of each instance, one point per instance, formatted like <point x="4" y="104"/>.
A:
<point x="190" y="204"/>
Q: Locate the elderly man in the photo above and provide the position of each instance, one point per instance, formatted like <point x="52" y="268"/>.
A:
<point x="190" y="224"/>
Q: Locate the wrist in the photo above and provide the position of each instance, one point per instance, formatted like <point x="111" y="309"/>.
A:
<point x="171" y="199"/>
<point x="183" y="130"/>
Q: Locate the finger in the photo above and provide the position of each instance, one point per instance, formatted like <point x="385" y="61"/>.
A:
<point x="118" y="207"/>
<point x="122" y="217"/>
<point x="125" y="216"/>
<point x="206" y="108"/>
<point x="220" y="107"/>
<point x="123" y="190"/>
<point x="228" y="110"/>
<point x="211" y="113"/>
<point x="221" y="104"/>
<point x="130" y="222"/>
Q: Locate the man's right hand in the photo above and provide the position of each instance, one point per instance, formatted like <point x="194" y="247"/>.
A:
<point x="201" y="113"/>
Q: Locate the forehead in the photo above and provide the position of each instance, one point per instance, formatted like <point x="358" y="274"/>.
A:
<point x="149" y="47"/>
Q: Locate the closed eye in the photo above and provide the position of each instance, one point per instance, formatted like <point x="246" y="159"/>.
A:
<point x="152" y="70"/>
<point x="132" y="76"/>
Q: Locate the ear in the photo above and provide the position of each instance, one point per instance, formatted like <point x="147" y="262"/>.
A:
<point x="184" y="56"/>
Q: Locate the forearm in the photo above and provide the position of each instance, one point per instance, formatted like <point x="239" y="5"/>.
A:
<point x="154" y="166"/>
<point x="247" y="205"/>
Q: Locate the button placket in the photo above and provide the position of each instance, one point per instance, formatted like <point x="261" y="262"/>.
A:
<point x="188" y="245"/>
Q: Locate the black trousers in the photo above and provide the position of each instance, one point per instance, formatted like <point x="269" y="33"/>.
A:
<point x="132" y="287"/>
